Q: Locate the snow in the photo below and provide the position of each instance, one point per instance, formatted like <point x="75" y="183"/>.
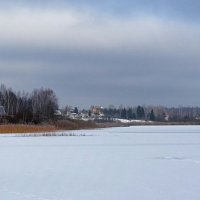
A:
<point x="142" y="163"/>
<point x="132" y="120"/>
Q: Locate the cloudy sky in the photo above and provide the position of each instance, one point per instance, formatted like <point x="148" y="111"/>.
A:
<point x="103" y="52"/>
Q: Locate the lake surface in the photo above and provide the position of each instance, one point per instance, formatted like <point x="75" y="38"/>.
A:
<point x="141" y="163"/>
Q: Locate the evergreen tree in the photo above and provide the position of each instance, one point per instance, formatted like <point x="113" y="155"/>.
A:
<point x="134" y="115"/>
<point x="124" y="114"/>
<point x="152" y="116"/>
<point x="76" y="110"/>
<point x="130" y="114"/>
<point x="140" y="112"/>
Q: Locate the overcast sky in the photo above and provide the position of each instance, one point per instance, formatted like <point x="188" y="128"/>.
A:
<point x="104" y="52"/>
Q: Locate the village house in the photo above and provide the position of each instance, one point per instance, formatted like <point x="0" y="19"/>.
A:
<point x="97" y="110"/>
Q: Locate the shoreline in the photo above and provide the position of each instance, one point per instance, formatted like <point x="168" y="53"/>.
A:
<point x="49" y="127"/>
<point x="70" y="125"/>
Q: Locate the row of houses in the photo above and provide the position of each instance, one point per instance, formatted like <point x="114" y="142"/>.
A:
<point x="95" y="113"/>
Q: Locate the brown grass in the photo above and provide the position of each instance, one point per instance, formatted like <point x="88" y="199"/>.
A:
<point x="74" y="124"/>
<point x="54" y="126"/>
<point x="21" y="128"/>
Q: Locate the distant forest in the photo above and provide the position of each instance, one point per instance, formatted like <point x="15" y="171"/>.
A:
<point x="154" y="113"/>
<point x="37" y="106"/>
<point x="40" y="105"/>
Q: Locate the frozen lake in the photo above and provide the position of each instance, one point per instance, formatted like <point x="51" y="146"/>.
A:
<point x="141" y="163"/>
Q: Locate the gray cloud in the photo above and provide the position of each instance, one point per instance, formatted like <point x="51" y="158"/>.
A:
<point x="170" y="8"/>
<point x="91" y="58"/>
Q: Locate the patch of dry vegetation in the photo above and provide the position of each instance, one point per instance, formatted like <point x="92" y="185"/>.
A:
<point x="75" y="124"/>
<point x="22" y="128"/>
<point x="47" y="128"/>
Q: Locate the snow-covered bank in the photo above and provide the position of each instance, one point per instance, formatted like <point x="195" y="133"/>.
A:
<point x="132" y="121"/>
<point x="145" y="163"/>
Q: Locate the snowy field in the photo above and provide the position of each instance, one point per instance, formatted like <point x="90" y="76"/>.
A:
<point x="134" y="163"/>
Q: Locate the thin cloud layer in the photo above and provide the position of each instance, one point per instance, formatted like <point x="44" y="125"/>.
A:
<point x="187" y="10"/>
<point x="68" y="29"/>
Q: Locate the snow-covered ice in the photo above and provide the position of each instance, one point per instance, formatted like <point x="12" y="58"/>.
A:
<point x="141" y="163"/>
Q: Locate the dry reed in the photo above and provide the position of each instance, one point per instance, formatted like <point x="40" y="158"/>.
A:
<point x="22" y="128"/>
<point x="55" y="126"/>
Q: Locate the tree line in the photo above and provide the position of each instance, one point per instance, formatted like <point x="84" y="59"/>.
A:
<point x="130" y="113"/>
<point x="34" y="107"/>
<point x="154" y="113"/>
<point x="41" y="104"/>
